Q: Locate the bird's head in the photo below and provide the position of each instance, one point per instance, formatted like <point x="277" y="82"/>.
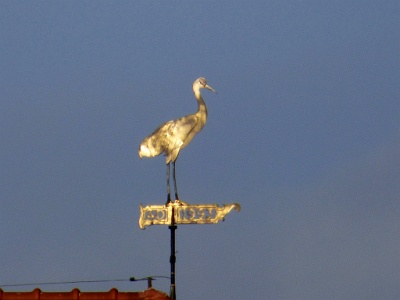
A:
<point x="201" y="83"/>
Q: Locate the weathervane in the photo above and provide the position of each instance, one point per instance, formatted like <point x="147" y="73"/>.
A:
<point x="169" y="138"/>
<point x="176" y="213"/>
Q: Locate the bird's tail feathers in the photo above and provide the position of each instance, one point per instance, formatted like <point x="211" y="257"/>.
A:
<point x="149" y="149"/>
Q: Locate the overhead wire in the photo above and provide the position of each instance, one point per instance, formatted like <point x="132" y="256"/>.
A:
<point x="83" y="281"/>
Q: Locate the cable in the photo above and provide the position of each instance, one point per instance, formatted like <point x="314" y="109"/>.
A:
<point x="84" y="281"/>
<point x="62" y="282"/>
<point x="149" y="277"/>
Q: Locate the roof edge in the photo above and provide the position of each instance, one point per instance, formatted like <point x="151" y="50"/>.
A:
<point x="76" y="294"/>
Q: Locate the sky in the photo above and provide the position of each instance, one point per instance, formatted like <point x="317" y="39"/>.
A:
<point x="304" y="133"/>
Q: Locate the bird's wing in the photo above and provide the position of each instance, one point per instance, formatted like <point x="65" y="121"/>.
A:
<point x="170" y="138"/>
<point x="180" y="131"/>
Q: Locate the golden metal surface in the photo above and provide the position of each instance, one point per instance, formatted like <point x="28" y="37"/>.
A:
<point x="184" y="213"/>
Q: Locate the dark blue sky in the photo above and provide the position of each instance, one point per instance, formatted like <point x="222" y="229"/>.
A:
<point x="304" y="133"/>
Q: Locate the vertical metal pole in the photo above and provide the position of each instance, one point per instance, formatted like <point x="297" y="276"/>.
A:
<point x="172" y="259"/>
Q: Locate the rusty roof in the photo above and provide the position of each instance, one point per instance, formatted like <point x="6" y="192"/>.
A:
<point x="76" y="294"/>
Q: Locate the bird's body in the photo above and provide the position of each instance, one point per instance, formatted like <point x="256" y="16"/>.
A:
<point x="172" y="136"/>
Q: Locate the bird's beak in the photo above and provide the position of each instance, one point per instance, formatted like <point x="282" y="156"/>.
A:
<point x="210" y="88"/>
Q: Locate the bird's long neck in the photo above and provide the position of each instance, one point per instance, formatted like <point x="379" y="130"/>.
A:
<point x="202" y="108"/>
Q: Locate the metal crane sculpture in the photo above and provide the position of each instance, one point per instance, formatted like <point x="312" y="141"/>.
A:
<point x="172" y="136"/>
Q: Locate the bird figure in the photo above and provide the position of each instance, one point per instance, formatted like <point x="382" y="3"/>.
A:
<point x="172" y="136"/>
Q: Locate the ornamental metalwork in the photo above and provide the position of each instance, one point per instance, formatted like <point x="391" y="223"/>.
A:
<point x="179" y="213"/>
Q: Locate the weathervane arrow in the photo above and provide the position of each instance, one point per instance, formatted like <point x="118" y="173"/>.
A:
<point x="184" y="214"/>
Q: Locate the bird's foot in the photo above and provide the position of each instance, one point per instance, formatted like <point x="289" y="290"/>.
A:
<point x="175" y="202"/>
<point x="179" y="202"/>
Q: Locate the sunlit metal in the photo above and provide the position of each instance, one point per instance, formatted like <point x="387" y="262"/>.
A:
<point x="184" y="214"/>
<point x="172" y="136"/>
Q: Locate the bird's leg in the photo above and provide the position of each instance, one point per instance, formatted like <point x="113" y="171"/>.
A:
<point x="168" y="189"/>
<point x="175" y="186"/>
